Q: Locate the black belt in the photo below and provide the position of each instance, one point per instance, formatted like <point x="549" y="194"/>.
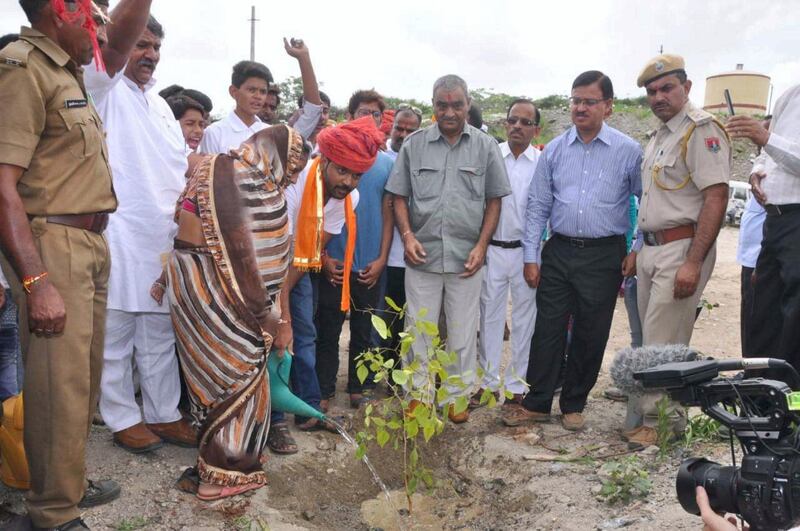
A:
<point x="589" y="242"/>
<point x="514" y="244"/>
<point x="779" y="210"/>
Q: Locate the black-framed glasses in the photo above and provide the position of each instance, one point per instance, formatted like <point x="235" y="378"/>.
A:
<point x="409" y="107"/>
<point x="512" y="120"/>
<point x="360" y="113"/>
<point x="589" y="102"/>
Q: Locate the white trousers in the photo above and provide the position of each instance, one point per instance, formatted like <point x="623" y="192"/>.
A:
<point x="151" y="337"/>
<point x="503" y="273"/>
<point x="459" y="297"/>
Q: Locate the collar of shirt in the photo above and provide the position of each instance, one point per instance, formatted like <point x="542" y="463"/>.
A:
<point x="675" y="122"/>
<point x="134" y="86"/>
<point x="433" y="134"/>
<point x="238" y="125"/>
<point x="603" y="136"/>
<point x="529" y="153"/>
<point x="46" y="45"/>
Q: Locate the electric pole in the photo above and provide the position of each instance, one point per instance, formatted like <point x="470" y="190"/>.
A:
<point x="253" y="21"/>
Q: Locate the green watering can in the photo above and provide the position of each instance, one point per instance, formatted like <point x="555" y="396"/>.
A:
<point x="282" y="398"/>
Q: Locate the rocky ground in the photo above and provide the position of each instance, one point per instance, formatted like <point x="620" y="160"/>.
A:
<point x="490" y="477"/>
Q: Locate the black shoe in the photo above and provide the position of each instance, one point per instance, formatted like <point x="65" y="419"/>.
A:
<point x="72" y="525"/>
<point x="98" y="493"/>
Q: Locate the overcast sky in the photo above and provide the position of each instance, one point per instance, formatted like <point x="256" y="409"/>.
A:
<point x="533" y="48"/>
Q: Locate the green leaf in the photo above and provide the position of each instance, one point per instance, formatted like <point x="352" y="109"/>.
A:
<point x="393" y="305"/>
<point x="379" y="421"/>
<point x="368" y="410"/>
<point x="380" y="325"/>
<point x="393" y="424"/>
<point x="361" y="451"/>
<point x="508" y="394"/>
<point x="422" y="313"/>
<point x="413" y="458"/>
<point x="461" y="404"/>
<point x="400" y="377"/>
<point x="428" y="328"/>
<point x="382" y="437"/>
<point x="362" y="372"/>
<point x="428" y="430"/>
<point x="492" y="400"/>
<point x="388" y="364"/>
<point x="412" y="486"/>
<point x="412" y="428"/>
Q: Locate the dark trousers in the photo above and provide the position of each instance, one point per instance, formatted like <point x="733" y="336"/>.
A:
<point x="330" y="319"/>
<point x="583" y="282"/>
<point x="746" y="308"/>
<point x="775" y="318"/>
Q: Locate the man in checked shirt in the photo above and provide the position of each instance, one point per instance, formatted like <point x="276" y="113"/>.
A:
<point x="582" y="186"/>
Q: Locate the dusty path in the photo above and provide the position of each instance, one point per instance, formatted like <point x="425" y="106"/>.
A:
<point x="486" y="481"/>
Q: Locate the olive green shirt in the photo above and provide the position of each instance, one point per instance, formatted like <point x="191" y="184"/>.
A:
<point x="447" y="188"/>
<point x="49" y="127"/>
<point x="673" y="184"/>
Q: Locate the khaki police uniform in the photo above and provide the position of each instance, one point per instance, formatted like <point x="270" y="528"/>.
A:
<point x="49" y="127"/>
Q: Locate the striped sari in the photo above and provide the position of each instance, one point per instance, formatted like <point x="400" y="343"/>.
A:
<point x="221" y="293"/>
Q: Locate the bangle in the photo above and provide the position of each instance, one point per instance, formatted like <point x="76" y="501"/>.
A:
<point x="27" y="282"/>
<point x="284" y="321"/>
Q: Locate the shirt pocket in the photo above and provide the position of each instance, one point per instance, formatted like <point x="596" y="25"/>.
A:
<point x="670" y="173"/>
<point x="474" y="179"/>
<point x="83" y="132"/>
<point x="613" y="189"/>
<point x="426" y="182"/>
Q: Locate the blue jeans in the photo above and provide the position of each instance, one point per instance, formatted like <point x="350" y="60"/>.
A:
<point x="631" y="305"/>
<point x="10" y="355"/>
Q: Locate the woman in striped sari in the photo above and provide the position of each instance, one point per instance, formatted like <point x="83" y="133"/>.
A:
<point x="225" y="275"/>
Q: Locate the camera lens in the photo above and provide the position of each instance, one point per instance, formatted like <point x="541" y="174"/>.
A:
<point x="719" y="482"/>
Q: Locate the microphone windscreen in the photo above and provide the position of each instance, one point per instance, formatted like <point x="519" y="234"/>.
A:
<point x="630" y="360"/>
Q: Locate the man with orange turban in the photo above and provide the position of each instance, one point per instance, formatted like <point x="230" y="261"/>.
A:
<point x="321" y="202"/>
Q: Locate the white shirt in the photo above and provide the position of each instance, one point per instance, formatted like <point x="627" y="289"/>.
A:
<point x="308" y="119"/>
<point x="751" y="232"/>
<point x="227" y="134"/>
<point x="148" y="166"/>
<point x="780" y="158"/>
<point x="396" y="251"/>
<point x="3" y="282"/>
<point x="511" y="225"/>
<point x="333" y="211"/>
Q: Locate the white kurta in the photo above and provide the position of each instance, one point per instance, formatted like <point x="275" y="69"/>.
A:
<point x="503" y="274"/>
<point x="228" y="134"/>
<point x="148" y="165"/>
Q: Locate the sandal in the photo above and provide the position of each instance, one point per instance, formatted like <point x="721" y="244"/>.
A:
<point x="280" y="441"/>
<point x="189" y="481"/>
<point x="315" y="424"/>
<point x="227" y="492"/>
<point x="360" y="399"/>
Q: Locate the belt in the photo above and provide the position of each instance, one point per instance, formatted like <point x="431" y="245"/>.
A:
<point x="92" y="222"/>
<point x="779" y="210"/>
<point x="514" y="244"/>
<point x="663" y="237"/>
<point x="589" y="242"/>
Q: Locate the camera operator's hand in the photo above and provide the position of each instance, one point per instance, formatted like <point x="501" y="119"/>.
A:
<point x="711" y="520"/>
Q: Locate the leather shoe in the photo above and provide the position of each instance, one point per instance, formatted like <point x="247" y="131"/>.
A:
<point x="519" y="415"/>
<point x="641" y="437"/>
<point x="24" y="523"/>
<point x="99" y="493"/>
<point x="137" y="439"/>
<point x="457" y="418"/>
<point x="573" y="421"/>
<point x="179" y="433"/>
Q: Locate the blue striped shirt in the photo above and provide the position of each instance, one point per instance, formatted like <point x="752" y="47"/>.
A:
<point x="582" y="189"/>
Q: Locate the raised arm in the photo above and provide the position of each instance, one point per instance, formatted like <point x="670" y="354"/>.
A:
<point x="128" y="21"/>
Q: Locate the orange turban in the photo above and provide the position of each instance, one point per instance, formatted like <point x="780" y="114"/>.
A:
<point x="387" y="122"/>
<point x="84" y="8"/>
<point x="352" y="145"/>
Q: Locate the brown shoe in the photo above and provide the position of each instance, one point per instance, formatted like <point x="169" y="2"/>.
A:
<point x="518" y="416"/>
<point x="513" y="402"/>
<point x="137" y="439"/>
<point x="641" y="437"/>
<point x="457" y="418"/>
<point x="412" y="405"/>
<point x="179" y="433"/>
<point x="573" y="421"/>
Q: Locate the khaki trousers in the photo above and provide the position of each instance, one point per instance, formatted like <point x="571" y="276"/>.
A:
<point x="665" y="319"/>
<point x="459" y="297"/>
<point x="62" y="374"/>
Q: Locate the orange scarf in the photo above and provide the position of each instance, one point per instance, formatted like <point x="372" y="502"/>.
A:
<point x="310" y="226"/>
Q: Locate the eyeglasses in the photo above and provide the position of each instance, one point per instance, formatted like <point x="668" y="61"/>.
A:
<point x="360" y="113"/>
<point x="409" y="107"/>
<point x="512" y="120"/>
<point x="589" y="102"/>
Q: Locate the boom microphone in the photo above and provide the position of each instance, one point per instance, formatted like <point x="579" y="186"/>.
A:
<point x="630" y="360"/>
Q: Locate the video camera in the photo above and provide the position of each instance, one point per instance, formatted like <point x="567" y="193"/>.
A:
<point x="763" y="414"/>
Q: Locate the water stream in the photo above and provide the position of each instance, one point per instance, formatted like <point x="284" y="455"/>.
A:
<point x="372" y="470"/>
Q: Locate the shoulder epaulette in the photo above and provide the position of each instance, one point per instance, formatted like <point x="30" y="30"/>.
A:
<point x="699" y="116"/>
<point x="16" y="53"/>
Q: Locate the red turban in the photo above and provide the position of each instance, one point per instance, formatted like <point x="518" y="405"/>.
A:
<point x="84" y="7"/>
<point x="352" y="145"/>
<point x="387" y="122"/>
